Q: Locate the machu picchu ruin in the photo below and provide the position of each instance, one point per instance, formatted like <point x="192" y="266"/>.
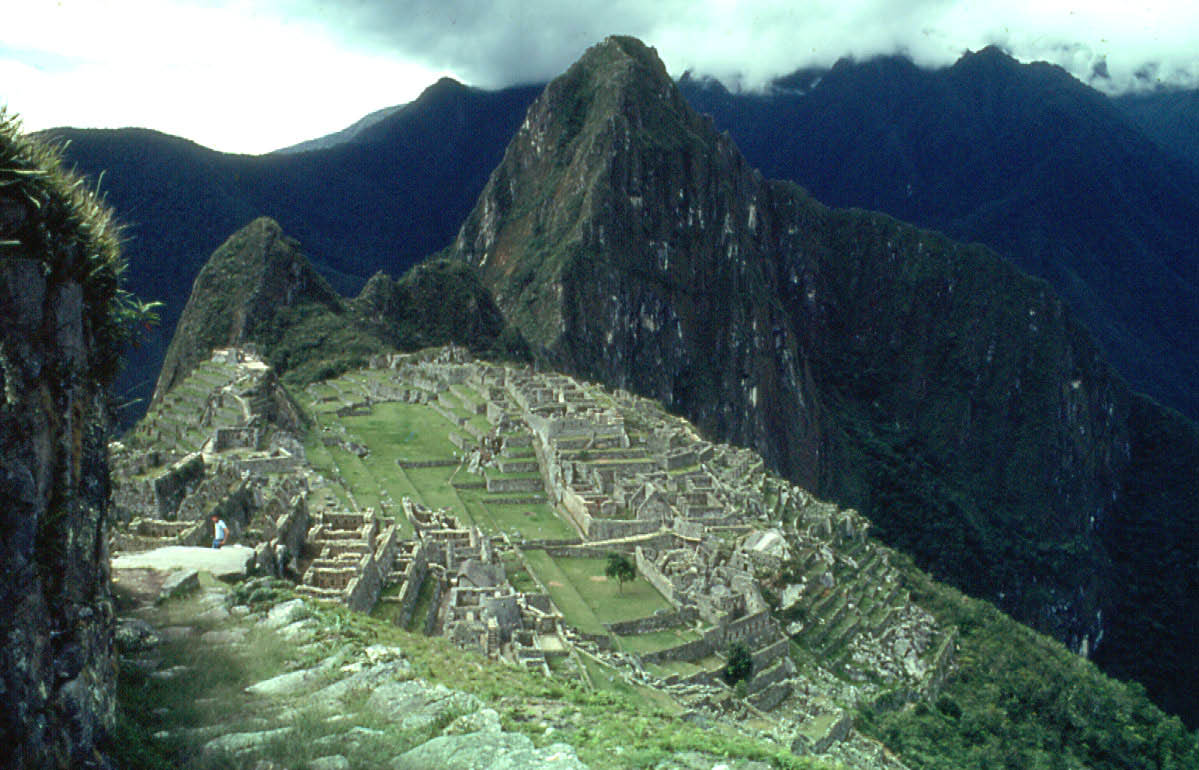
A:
<point x="478" y="501"/>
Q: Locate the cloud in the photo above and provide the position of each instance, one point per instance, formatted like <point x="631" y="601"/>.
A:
<point x="751" y="41"/>
<point x="252" y="75"/>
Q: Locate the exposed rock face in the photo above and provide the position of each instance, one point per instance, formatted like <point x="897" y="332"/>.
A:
<point x="58" y="270"/>
<point x="930" y="384"/>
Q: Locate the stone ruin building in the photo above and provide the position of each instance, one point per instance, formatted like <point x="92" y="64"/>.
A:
<point x="739" y="555"/>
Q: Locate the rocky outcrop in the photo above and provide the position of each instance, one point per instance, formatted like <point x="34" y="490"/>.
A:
<point x="954" y="400"/>
<point x="59" y="333"/>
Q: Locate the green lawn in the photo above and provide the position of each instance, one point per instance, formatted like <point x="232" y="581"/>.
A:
<point x="610" y="602"/>
<point x="587" y="598"/>
<point x="685" y="668"/>
<point x="656" y="640"/>
<point x="403" y="431"/>
<point x="357" y="478"/>
<point x="536" y="521"/>
<point x="575" y="609"/>
<point x="433" y="485"/>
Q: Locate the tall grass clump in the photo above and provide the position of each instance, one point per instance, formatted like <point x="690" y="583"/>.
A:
<point x="52" y="215"/>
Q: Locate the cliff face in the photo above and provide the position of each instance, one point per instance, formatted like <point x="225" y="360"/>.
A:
<point x="58" y="333"/>
<point x="953" y="399"/>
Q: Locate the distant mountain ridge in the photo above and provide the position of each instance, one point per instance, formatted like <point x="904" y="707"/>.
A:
<point x="348" y="134"/>
<point x="383" y="201"/>
<point x="1024" y="158"/>
<point x="956" y="401"/>
<point x="1112" y="235"/>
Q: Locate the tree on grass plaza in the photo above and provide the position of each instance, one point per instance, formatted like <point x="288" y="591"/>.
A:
<point x="620" y="569"/>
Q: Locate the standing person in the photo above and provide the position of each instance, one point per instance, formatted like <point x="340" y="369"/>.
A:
<point x="219" y="531"/>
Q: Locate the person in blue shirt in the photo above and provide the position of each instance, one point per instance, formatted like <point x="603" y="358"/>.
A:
<point x="220" y="531"/>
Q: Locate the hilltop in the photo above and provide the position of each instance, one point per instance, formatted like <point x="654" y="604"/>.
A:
<point x="259" y="290"/>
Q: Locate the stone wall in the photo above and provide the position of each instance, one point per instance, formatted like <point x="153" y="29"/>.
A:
<point x="414" y="578"/>
<point x="659" y="621"/>
<point x="434" y="605"/>
<point x="236" y="438"/>
<point x="613" y="529"/>
<point x="363" y="590"/>
<point x="648" y="570"/>
<point x="766" y="677"/>
<point x="770" y="697"/>
<point x="133" y="500"/>
<point x="770" y="653"/>
<point x="177" y="483"/>
<point x="286" y="535"/>
<point x="260" y="466"/>
<point x="443" y="463"/>
<point x="517" y="484"/>
<point x="749" y="630"/>
<point x="700" y="648"/>
<point x="57" y="667"/>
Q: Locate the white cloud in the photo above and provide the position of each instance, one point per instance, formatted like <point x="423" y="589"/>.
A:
<point x="253" y="75"/>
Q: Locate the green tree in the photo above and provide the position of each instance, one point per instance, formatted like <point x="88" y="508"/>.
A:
<point x="740" y="665"/>
<point x="620" y="569"/>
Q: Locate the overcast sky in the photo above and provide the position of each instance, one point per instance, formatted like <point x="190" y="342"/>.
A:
<point x="256" y="75"/>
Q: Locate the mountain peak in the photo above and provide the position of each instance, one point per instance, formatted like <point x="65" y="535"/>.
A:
<point x="632" y="244"/>
<point x="598" y="152"/>
<point x="254" y="274"/>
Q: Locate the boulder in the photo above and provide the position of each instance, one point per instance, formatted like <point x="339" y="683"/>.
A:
<point x="135" y="635"/>
<point x="229" y="563"/>
<point x="417" y="705"/>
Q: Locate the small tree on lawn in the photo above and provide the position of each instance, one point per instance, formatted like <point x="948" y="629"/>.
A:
<point x="620" y="569"/>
